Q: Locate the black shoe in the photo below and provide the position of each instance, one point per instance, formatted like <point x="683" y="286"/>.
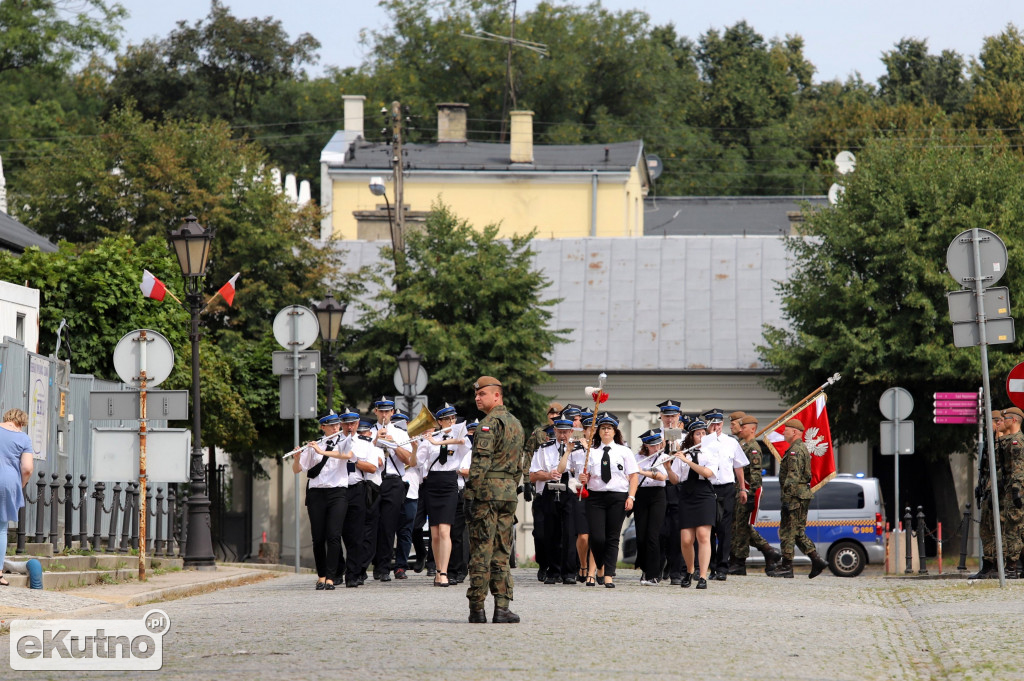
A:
<point x="360" y="580"/>
<point x="351" y="583"/>
<point x="590" y="582"/>
<point x="988" y="570"/>
<point x="320" y="586"/>
<point x="720" y="576"/>
<point x="418" y="564"/>
<point x="328" y="586"/>
<point x="400" y="573"/>
<point x="817" y="565"/>
<point x="386" y="577"/>
<point x="664" y="574"/>
<point x="687" y="580"/>
<point x="445" y="582"/>
<point x="550" y="579"/>
<point x="609" y="585"/>
<point x="568" y="580"/>
<point x="478" y="616"/>
<point x="504" y="616"/>
<point x="702" y="583"/>
<point x="542" y="575"/>
<point x="675" y="581"/>
<point x="581" y="576"/>
<point x="431" y="572"/>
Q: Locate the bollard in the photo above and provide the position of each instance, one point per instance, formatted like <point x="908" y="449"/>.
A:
<point x="41" y="507"/>
<point x="21" y="526"/>
<point x="938" y="543"/>
<point x="907" y="525"/>
<point x="97" y="525"/>
<point x="115" y="506"/>
<point x="149" y="514"/>
<point x="158" y="541"/>
<point x="126" y="523"/>
<point x="172" y="501"/>
<point x="965" y="526"/>
<point x="921" y="531"/>
<point x="136" y="509"/>
<point x="54" y="509"/>
<point x="69" y="510"/>
<point x="83" y="513"/>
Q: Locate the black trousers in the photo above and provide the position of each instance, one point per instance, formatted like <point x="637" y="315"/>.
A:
<point x="649" y="512"/>
<point x="559" y="533"/>
<point x="539" y="528"/>
<point x="721" y="533"/>
<point x="326" y="507"/>
<point x="458" y="562"/>
<point x="670" y="548"/>
<point x="605" y="513"/>
<point x="392" y="496"/>
<point x="370" y="533"/>
<point x="352" y="530"/>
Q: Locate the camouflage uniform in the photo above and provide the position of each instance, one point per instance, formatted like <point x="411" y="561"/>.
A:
<point x="795" y="481"/>
<point x="743" y="533"/>
<point x="494" y="474"/>
<point x="1011" y="459"/>
<point x="983" y="495"/>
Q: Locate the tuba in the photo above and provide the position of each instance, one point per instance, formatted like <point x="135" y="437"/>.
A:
<point x="423" y="422"/>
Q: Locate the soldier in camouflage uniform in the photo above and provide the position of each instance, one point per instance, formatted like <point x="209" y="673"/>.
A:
<point x="795" y="481"/>
<point x="982" y="494"/>
<point x="1011" y="453"/>
<point x="743" y="533"/>
<point x="490" y="499"/>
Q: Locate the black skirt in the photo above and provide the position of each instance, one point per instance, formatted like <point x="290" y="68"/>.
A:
<point x="441" y="491"/>
<point x="697" y="503"/>
<point x="579" y="515"/>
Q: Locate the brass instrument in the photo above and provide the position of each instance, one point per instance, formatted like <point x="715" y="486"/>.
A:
<point x="423" y="422"/>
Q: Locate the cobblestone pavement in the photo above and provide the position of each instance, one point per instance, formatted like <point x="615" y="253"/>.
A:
<point x="746" y="628"/>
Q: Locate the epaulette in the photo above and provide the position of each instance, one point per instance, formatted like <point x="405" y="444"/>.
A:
<point x="548" y="443"/>
<point x="365" y="438"/>
<point x="577" y="446"/>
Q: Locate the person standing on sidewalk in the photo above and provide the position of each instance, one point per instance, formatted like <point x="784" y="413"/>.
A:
<point x="795" y="483"/>
<point x="491" y="498"/>
<point x="16" y="466"/>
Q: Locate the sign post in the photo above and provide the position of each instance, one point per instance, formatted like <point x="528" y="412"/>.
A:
<point x="896" y="404"/>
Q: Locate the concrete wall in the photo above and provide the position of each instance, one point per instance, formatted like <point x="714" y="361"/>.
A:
<point x="20" y="300"/>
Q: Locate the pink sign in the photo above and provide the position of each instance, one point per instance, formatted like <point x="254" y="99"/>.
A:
<point x="957" y="420"/>
<point x="956" y="404"/>
<point x="973" y="413"/>
<point x="956" y="396"/>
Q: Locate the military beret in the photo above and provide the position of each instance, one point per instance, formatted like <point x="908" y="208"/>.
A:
<point x="485" y="382"/>
<point x="748" y="419"/>
<point x="554" y="406"/>
<point x="996" y="414"/>
<point x="737" y="415"/>
<point x="1014" y="411"/>
<point x="330" y="419"/>
<point x="795" y="423"/>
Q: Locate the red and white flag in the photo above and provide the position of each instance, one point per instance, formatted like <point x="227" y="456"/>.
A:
<point x="817" y="437"/>
<point x="152" y="287"/>
<point x="227" y="291"/>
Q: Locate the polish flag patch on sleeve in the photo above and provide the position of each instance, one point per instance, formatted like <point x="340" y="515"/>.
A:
<point x="485" y="429"/>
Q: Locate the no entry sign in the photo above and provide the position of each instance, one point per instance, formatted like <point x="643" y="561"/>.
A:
<point x="1015" y="385"/>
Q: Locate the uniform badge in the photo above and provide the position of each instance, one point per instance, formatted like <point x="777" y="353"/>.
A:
<point x="485" y="429"/>
<point x="620" y="466"/>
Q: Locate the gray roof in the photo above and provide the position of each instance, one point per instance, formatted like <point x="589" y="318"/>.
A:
<point x="16" y="237"/>
<point x="716" y="215"/>
<point x="651" y="304"/>
<point x="618" y="157"/>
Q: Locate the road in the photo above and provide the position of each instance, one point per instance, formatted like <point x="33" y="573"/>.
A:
<point x="746" y="628"/>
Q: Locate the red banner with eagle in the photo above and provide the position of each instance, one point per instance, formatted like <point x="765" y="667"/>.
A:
<point x="817" y="437"/>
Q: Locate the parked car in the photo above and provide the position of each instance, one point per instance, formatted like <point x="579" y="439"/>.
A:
<point x="846" y="522"/>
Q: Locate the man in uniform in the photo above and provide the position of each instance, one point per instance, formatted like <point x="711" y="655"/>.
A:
<point x="1011" y="502"/>
<point x="670" y="411"/>
<point x="983" y="495"/>
<point x="539" y="436"/>
<point x="743" y="533"/>
<point x="732" y="461"/>
<point x="795" y="482"/>
<point x="494" y="474"/>
<point x="549" y="466"/>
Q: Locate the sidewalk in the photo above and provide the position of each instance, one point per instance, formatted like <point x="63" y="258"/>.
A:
<point x="19" y="602"/>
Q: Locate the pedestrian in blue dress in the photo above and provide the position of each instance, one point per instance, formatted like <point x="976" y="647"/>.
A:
<point x="15" y="469"/>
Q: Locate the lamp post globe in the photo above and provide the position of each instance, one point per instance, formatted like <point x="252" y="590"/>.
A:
<point x="329" y="313"/>
<point x="192" y="246"/>
<point x="409" y="369"/>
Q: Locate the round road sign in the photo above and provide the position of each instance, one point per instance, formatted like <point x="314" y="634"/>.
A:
<point x="1015" y="385"/>
<point x="960" y="258"/>
<point x="129" y="359"/>
<point x="296" y="326"/>
<point x="896" y="404"/>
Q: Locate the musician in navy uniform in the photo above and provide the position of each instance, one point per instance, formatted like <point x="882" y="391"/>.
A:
<point x="550" y="466"/>
<point x="365" y="458"/>
<point x="326" y="494"/>
<point x="670" y="411"/>
<point x="649" y="509"/>
<point x="441" y="455"/>
<point x="392" y="486"/>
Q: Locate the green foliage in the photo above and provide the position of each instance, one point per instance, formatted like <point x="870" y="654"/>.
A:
<point x="867" y="293"/>
<point x="54" y="33"/>
<point x="470" y="305"/>
<point x="913" y="76"/>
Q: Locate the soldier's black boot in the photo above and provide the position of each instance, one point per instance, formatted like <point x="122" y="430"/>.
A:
<point x="771" y="559"/>
<point x="504" y="616"/>
<point x="737" y="566"/>
<point x="988" y="569"/>
<point x="817" y="564"/>
<point x="784" y="568"/>
<point x="478" y="616"/>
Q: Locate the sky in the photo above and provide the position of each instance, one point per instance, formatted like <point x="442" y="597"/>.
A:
<point x="840" y="37"/>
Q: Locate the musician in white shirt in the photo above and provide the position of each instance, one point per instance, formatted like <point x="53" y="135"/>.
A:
<point x="441" y="455"/>
<point x="392" y="486"/>
<point x="649" y="509"/>
<point x="694" y="472"/>
<point x="730" y="472"/>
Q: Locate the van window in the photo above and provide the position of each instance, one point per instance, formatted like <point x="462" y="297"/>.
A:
<point x="839" y="495"/>
<point x="770" y="496"/>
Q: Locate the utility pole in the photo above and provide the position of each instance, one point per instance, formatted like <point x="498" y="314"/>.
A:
<point x="397" y="164"/>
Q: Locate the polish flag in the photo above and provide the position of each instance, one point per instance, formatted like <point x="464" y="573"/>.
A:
<point x="152" y="287"/>
<point x="227" y="291"/>
<point x="817" y="437"/>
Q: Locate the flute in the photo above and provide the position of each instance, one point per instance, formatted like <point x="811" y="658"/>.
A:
<point x="346" y="441"/>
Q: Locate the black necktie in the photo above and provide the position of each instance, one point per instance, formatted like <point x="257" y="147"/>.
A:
<point x="443" y="456"/>
<point x="315" y="470"/>
<point x="606" y="465"/>
<point x="565" y="476"/>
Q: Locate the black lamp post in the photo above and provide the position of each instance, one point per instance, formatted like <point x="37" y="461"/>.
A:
<point x="409" y="369"/>
<point x="329" y="313"/>
<point x="192" y="246"/>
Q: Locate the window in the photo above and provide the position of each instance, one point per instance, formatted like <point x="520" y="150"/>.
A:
<point x="19" y="327"/>
<point x="839" y="495"/>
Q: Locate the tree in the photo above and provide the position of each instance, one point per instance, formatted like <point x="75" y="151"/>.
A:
<point x="913" y="76"/>
<point x="54" y="33"/>
<point x="996" y="76"/>
<point x="470" y="305"/>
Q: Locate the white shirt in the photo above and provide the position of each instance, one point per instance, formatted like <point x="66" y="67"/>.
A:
<point x="730" y="456"/>
<point x="623" y="464"/>
<point x="464" y="464"/>
<point x="428" y="455"/>
<point x="413" y="476"/>
<point x="646" y="462"/>
<point x="364" y="450"/>
<point x="576" y="459"/>
<point x="707" y="455"/>
<point x="333" y="474"/>
<point x="546" y="458"/>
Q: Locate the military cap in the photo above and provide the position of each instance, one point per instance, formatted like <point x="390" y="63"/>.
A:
<point x="563" y="424"/>
<point x="364" y="425"/>
<point x="652" y="437"/>
<point x="748" y="419"/>
<point x="713" y="416"/>
<point x="571" y="411"/>
<point x="486" y="381"/>
<point x="445" y="411"/>
<point x="1014" y="411"/>
<point x="349" y="415"/>
<point x="795" y="423"/>
<point x="330" y="419"/>
<point x="470" y="427"/>
<point x="696" y="424"/>
<point x="384" y="403"/>
<point x="587" y="419"/>
<point x="399" y="416"/>
<point x="606" y="418"/>
<point x="670" y="406"/>
<point x="737" y="415"/>
<point x="687" y="420"/>
<point x="555" y="407"/>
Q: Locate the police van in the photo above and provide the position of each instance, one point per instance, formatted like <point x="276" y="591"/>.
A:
<point x="846" y="522"/>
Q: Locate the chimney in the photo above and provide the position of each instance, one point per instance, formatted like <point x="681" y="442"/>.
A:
<point x="354" y="113"/>
<point x="451" y="122"/>
<point x="521" y="137"/>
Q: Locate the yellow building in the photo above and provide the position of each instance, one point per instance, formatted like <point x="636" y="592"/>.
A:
<point x="559" y="190"/>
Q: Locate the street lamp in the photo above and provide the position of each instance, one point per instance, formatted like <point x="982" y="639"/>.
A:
<point x="329" y="313"/>
<point x="409" y="369"/>
<point x="192" y="246"/>
<point x="378" y="188"/>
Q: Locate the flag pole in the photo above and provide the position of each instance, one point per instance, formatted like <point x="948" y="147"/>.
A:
<point x="171" y="294"/>
<point x="799" y="405"/>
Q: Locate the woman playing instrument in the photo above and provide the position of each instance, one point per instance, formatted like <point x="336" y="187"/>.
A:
<point x="16" y="466"/>
<point x="693" y="471"/>
<point x="575" y="465"/>
<point x="612" y="478"/>
<point x="441" y="459"/>
<point x="649" y="509"/>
